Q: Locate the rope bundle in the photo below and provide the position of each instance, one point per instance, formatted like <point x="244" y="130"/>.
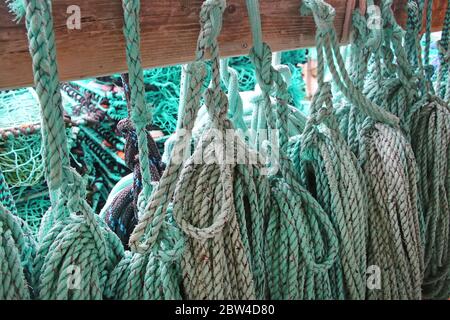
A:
<point x="150" y="270"/>
<point x="428" y="122"/>
<point x="219" y="205"/>
<point x="301" y="244"/>
<point x="430" y="135"/>
<point x="331" y="173"/>
<point x="250" y="185"/>
<point x="76" y="250"/>
<point x="16" y="249"/>
<point x="122" y="214"/>
<point x="387" y="160"/>
<point x="426" y="119"/>
<point x="210" y="229"/>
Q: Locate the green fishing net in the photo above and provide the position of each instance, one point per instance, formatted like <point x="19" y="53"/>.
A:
<point x="20" y="153"/>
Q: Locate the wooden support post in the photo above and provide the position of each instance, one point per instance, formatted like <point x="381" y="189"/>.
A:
<point x="169" y="34"/>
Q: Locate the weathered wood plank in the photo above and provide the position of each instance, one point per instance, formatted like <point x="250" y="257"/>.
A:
<point x="169" y="34"/>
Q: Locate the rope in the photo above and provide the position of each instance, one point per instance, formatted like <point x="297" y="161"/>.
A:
<point x="122" y="214"/>
<point x="220" y="205"/>
<point x="428" y="123"/>
<point x="149" y="272"/>
<point x="387" y="160"/>
<point x="301" y="244"/>
<point x="236" y="108"/>
<point x="17" y="249"/>
<point x="250" y="186"/>
<point x="71" y="236"/>
<point x="442" y="87"/>
<point x="331" y="173"/>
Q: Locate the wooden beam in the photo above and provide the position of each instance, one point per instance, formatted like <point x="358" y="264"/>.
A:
<point x="169" y="33"/>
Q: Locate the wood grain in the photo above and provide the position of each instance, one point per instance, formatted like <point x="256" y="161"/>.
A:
<point x="169" y="34"/>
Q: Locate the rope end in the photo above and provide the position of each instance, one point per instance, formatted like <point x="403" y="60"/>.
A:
<point x="17" y="8"/>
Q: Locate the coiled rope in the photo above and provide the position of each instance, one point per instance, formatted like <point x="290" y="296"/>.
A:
<point x="17" y="249"/>
<point x="428" y="122"/>
<point x="221" y="212"/>
<point x="387" y="160"/>
<point x="76" y="250"/>
<point x="332" y="174"/>
<point x="301" y="244"/>
<point x="251" y="188"/>
<point x="148" y="271"/>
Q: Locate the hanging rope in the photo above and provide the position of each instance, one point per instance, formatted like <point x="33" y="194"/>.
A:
<point x="394" y="243"/>
<point x="250" y="186"/>
<point x="442" y="86"/>
<point x="301" y="244"/>
<point x="236" y="107"/>
<point x="428" y="123"/>
<point x="331" y="173"/>
<point x="72" y="239"/>
<point x="150" y="272"/>
<point x="122" y="214"/>
<point x="219" y="205"/>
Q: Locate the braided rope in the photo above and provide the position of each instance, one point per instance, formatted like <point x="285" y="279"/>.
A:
<point x="428" y="123"/>
<point x="250" y="187"/>
<point x="17" y="249"/>
<point x="149" y="272"/>
<point x="236" y="109"/>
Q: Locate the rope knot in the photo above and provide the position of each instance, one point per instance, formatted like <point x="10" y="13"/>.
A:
<point x="323" y="14"/>
<point x="321" y="112"/>
<point x="263" y="67"/>
<point x="211" y="24"/>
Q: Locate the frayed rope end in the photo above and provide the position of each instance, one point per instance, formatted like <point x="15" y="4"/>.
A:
<point x="17" y="7"/>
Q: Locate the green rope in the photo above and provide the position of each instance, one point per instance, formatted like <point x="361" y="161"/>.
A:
<point x="220" y="206"/>
<point x="17" y="249"/>
<point x="428" y="123"/>
<point x="301" y="244"/>
<point x="394" y="239"/>
<point x="442" y="86"/>
<point x="151" y="269"/>
<point x="236" y="108"/>
<point x="331" y="173"/>
<point x="67" y="241"/>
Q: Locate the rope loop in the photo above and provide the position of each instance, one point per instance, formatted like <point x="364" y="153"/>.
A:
<point x="148" y="229"/>
<point x="263" y="67"/>
<point x="324" y="14"/>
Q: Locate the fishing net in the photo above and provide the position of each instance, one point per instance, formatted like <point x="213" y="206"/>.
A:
<point x="20" y="139"/>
